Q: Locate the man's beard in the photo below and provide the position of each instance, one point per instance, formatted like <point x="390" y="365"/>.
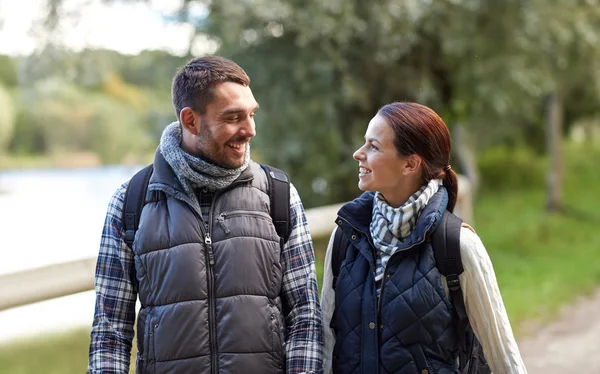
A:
<point x="206" y="144"/>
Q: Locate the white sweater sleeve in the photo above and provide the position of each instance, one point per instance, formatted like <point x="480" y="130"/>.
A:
<point x="328" y="305"/>
<point x="485" y="307"/>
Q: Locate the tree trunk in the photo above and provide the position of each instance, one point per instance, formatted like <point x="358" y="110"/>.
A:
<point x="554" y="137"/>
<point x="466" y="156"/>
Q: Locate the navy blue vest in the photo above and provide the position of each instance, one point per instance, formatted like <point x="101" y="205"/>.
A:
<point x="410" y="325"/>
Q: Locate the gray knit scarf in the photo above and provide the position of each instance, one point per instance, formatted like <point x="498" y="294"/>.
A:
<point x="193" y="172"/>
<point x="390" y="226"/>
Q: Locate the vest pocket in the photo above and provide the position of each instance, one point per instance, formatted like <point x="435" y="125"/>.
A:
<point x="142" y="337"/>
<point x="150" y="353"/>
<point x="224" y="216"/>
<point x="277" y="337"/>
<point x="146" y="349"/>
<point x="416" y="351"/>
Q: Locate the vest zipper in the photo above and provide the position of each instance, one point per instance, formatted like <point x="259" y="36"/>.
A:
<point x="221" y="220"/>
<point x="387" y="267"/>
<point x="214" y="348"/>
<point x="209" y="257"/>
<point x="212" y="334"/>
<point x="388" y="263"/>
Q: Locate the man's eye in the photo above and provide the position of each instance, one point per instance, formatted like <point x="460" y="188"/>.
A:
<point x="252" y="115"/>
<point x="373" y="147"/>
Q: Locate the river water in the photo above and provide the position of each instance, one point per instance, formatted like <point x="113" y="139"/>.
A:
<point x="47" y="217"/>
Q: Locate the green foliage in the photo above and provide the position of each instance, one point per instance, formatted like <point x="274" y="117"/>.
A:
<point x="7" y="118"/>
<point x="59" y="117"/>
<point x="511" y="168"/>
<point x="151" y="69"/>
<point x="97" y="101"/>
<point x="8" y="71"/>
<point x="28" y="137"/>
<point x="322" y="69"/>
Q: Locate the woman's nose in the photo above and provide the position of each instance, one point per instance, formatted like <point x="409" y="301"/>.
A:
<point x="358" y="155"/>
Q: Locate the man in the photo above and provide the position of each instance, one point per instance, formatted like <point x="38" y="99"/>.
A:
<point x="218" y="292"/>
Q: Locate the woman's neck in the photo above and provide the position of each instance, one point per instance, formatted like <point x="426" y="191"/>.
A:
<point x="400" y="195"/>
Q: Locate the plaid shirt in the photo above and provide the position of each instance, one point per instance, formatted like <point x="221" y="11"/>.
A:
<point x="116" y="293"/>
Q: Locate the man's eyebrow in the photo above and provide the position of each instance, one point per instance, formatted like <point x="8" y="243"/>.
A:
<point x="231" y="111"/>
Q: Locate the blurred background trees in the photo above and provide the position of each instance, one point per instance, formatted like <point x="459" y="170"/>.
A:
<point x="510" y="79"/>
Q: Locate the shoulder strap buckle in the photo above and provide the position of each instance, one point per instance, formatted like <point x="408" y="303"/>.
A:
<point x="453" y="282"/>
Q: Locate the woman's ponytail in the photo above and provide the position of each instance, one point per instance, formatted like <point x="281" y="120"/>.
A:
<point x="450" y="181"/>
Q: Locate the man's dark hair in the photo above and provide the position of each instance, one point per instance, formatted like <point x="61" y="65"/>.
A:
<point x="193" y="84"/>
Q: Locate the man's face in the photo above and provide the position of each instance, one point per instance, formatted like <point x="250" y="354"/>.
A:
<point x="227" y="125"/>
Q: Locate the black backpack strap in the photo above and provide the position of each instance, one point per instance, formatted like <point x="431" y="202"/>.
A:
<point x="135" y="195"/>
<point x="338" y="253"/>
<point x="279" y="194"/>
<point x="446" y="248"/>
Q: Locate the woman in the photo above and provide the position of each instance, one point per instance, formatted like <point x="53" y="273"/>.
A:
<point x="391" y="304"/>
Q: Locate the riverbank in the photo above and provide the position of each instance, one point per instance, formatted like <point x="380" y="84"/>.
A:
<point x="56" y="161"/>
<point x="68" y="160"/>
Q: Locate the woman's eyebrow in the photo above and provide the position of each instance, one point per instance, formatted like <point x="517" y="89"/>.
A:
<point x="372" y="140"/>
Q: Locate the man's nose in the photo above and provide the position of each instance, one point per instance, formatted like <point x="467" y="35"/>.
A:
<point x="249" y="128"/>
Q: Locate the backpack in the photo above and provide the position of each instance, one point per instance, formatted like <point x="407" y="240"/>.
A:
<point x="446" y="247"/>
<point x="279" y="193"/>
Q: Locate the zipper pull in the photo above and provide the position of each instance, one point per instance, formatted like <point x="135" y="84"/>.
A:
<point x="208" y="241"/>
<point x="221" y="221"/>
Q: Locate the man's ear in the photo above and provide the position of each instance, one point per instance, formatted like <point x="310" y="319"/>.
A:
<point x="189" y="120"/>
<point x="412" y="165"/>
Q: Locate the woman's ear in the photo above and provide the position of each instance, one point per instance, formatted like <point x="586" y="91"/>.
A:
<point x="412" y="165"/>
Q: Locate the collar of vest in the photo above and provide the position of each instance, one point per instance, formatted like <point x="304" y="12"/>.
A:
<point x="164" y="174"/>
<point x="359" y="212"/>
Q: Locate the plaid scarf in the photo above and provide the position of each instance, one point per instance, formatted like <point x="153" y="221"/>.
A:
<point x="391" y="226"/>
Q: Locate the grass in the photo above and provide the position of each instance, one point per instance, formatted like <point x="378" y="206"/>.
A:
<point x="59" y="354"/>
<point x="541" y="261"/>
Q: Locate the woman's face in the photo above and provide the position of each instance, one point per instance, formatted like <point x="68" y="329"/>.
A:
<point x="381" y="167"/>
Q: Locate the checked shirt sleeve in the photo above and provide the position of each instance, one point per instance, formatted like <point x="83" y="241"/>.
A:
<point x="304" y="340"/>
<point x="116" y="293"/>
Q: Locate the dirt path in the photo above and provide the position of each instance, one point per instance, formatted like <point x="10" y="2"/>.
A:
<point x="569" y="345"/>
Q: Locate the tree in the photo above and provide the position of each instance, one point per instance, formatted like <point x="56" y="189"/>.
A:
<point x="8" y="71"/>
<point x="564" y="46"/>
<point x="321" y="70"/>
<point x="7" y="119"/>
